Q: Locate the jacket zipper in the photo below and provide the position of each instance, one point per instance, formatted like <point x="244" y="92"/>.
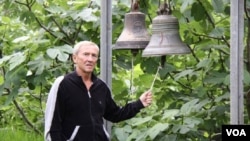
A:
<point x="89" y="94"/>
<point x="91" y="116"/>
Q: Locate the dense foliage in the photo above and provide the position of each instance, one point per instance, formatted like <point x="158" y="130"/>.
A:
<point x="191" y="92"/>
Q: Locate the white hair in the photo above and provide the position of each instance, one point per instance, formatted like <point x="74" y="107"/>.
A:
<point x="82" y="44"/>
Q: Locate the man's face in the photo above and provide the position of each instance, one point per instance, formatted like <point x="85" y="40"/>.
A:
<point x="86" y="58"/>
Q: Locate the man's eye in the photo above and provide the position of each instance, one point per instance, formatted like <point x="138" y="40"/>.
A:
<point x="85" y="54"/>
<point x="94" y="56"/>
<point x="88" y="54"/>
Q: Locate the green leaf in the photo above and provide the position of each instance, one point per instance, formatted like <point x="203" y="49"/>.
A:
<point x="86" y="15"/>
<point x="123" y="133"/>
<point x="21" y="39"/>
<point x="217" y="32"/>
<point x="223" y="97"/>
<point x="5" y="59"/>
<point x="216" y="77"/>
<point x="166" y="69"/>
<point x="170" y="114"/>
<point x="200" y="90"/>
<point x="182" y="129"/>
<point x="218" y="6"/>
<point x="246" y="77"/>
<point x="139" y="121"/>
<point x="27" y="16"/>
<point x="209" y="45"/>
<point x="54" y="9"/>
<point x="16" y="60"/>
<point x="145" y="80"/>
<point x="192" y="121"/>
<point x="117" y="86"/>
<point x="188" y="107"/>
<point x="14" y="81"/>
<point x="185" y="4"/>
<point x="157" y="129"/>
<point x="61" y="52"/>
<point x="183" y="74"/>
<point x="5" y="20"/>
<point x="53" y="53"/>
<point x="204" y="63"/>
<point x="197" y="15"/>
<point x="227" y="79"/>
<point x="66" y="48"/>
<point x="39" y="65"/>
<point x="126" y="2"/>
<point x="171" y="137"/>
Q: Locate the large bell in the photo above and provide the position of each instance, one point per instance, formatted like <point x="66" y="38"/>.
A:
<point x="165" y="38"/>
<point x="134" y="35"/>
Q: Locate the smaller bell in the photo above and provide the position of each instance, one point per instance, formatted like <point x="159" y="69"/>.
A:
<point x="165" y="37"/>
<point x="134" y="35"/>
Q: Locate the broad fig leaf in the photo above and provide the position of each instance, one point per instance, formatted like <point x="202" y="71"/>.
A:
<point x="139" y="121"/>
<point x="123" y="133"/>
<point x="246" y="77"/>
<point x="218" y="5"/>
<point x="216" y="78"/>
<point x="183" y="73"/>
<point x="5" y="59"/>
<point x="16" y="60"/>
<point x="21" y="39"/>
<point x="61" y="52"/>
<point x="87" y="15"/>
<point x="157" y="129"/>
<point x="52" y="53"/>
<point x="217" y="32"/>
<point x="39" y="65"/>
<point x="204" y="63"/>
<point x="192" y="121"/>
<point x="117" y="86"/>
<point x="184" y="129"/>
<point x="188" y="107"/>
<point x="197" y="15"/>
<point x="13" y="82"/>
<point x="55" y="9"/>
<point x="170" y="113"/>
<point x="185" y="4"/>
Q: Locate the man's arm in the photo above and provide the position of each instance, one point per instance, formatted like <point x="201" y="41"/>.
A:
<point x="115" y="113"/>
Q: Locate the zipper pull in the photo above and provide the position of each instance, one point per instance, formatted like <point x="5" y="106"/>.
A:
<point x="89" y="94"/>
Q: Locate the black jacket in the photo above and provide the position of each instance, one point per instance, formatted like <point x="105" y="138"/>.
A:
<point x="75" y="107"/>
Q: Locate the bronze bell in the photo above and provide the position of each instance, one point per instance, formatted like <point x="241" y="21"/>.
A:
<point x="134" y="35"/>
<point x="165" y="38"/>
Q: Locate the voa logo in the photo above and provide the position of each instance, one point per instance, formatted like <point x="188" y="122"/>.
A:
<point x="236" y="132"/>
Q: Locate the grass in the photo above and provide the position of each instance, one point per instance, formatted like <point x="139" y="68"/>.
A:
<point x="18" y="135"/>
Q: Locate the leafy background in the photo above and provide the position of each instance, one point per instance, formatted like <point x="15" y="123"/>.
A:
<point x="191" y="92"/>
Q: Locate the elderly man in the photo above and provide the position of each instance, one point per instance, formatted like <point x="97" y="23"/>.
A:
<point x="79" y="101"/>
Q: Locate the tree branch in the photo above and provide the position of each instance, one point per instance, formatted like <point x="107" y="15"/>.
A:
<point x="78" y="31"/>
<point x="171" y="76"/>
<point x="29" y="6"/>
<point x="25" y="118"/>
<point x="60" y="28"/>
<point x="211" y="21"/>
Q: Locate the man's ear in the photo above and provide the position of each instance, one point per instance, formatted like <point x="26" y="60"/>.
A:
<point x="74" y="58"/>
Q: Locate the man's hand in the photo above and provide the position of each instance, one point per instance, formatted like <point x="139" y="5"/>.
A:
<point x="146" y="98"/>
